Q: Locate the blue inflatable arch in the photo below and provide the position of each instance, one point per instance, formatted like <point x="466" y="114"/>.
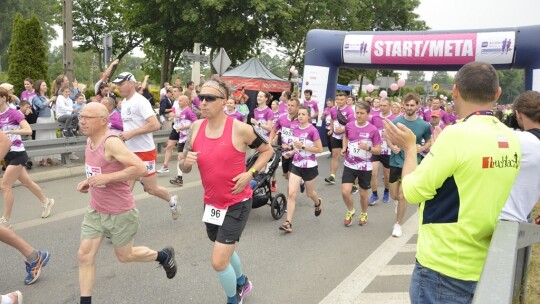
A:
<point x="327" y="51"/>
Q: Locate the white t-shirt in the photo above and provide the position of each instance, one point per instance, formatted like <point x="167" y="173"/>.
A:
<point x="64" y="106"/>
<point x="526" y="189"/>
<point x="135" y="112"/>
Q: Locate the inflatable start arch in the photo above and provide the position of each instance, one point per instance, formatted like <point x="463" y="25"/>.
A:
<point x="327" y="51"/>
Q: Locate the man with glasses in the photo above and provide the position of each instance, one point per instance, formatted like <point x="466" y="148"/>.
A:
<point x="139" y="120"/>
<point x="218" y="144"/>
<point x="421" y="130"/>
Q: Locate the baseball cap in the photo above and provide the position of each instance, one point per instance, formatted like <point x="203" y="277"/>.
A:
<point x="436" y="113"/>
<point x="123" y="77"/>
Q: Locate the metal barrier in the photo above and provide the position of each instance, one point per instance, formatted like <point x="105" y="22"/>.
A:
<point x="504" y="277"/>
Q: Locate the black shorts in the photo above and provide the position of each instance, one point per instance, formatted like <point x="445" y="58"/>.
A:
<point x="336" y="143"/>
<point x="15" y="158"/>
<point x="181" y="147"/>
<point x="306" y="174"/>
<point x="286" y="164"/>
<point x="349" y="175"/>
<point x="384" y="159"/>
<point x="233" y="225"/>
<point x="395" y="174"/>
<point x="174" y="135"/>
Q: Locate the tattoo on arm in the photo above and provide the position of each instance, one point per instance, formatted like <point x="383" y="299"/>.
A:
<point x="187" y="147"/>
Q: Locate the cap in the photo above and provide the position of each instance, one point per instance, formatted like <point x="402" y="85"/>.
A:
<point x="6" y="86"/>
<point x="436" y="113"/>
<point x="123" y="77"/>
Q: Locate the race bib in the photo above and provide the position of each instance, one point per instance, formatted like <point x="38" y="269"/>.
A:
<point x="91" y="171"/>
<point x="150" y="166"/>
<point x="286" y="135"/>
<point x="213" y="215"/>
<point x="355" y="151"/>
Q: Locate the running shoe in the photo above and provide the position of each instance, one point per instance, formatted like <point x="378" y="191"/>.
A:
<point x="354" y="189"/>
<point x="16" y="297"/>
<point x="67" y="133"/>
<point x="243" y="290"/>
<point x="373" y="199"/>
<point x="177" y="181"/>
<point x="348" y="218"/>
<point x="5" y="222"/>
<point x="397" y="232"/>
<point x="331" y="180"/>
<point x="47" y="206"/>
<point x="302" y="187"/>
<point x="363" y="219"/>
<point x="72" y="156"/>
<point x="163" y="170"/>
<point x="175" y="209"/>
<point x="386" y="197"/>
<point x="33" y="269"/>
<point x="170" y="262"/>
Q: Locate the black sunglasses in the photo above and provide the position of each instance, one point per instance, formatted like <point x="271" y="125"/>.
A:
<point x="208" y="97"/>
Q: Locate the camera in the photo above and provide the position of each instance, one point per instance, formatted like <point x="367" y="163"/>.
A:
<point x="511" y="121"/>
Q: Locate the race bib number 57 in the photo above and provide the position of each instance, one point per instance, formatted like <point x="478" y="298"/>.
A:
<point x="213" y="215"/>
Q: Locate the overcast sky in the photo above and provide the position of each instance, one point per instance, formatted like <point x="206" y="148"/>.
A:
<point x="478" y="14"/>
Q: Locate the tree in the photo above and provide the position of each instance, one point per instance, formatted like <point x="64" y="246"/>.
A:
<point x="48" y="12"/>
<point x="27" y="39"/>
<point x="442" y="77"/>
<point x="93" y="19"/>
<point x="416" y="76"/>
<point x="512" y="84"/>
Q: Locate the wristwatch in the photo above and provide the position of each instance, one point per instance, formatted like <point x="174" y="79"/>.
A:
<point x="369" y="148"/>
<point x="303" y="147"/>
<point x="254" y="172"/>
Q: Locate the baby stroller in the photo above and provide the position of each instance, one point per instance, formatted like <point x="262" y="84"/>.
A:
<point x="262" y="195"/>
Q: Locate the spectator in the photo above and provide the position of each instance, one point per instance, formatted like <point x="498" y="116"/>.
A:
<point x="115" y="120"/>
<point x="64" y="111"/>
<point x="165" y="108"/>
<point x="29" y="92"/>
<point x="42" y="105"/>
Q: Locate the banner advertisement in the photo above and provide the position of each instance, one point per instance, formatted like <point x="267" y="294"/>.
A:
<point x="256" y="84"/>
<point x="316" y="79"/>
<point x="430" y="49"/>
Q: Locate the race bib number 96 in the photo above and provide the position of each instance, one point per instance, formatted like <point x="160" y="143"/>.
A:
<point x="213" y="215"/>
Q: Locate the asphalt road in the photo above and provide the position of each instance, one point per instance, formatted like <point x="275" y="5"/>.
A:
<point x="302" y="267"/>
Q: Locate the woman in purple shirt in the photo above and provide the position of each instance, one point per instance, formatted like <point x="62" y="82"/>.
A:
<point x="230" y="110"/>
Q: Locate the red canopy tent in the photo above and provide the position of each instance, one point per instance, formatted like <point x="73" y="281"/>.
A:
<point x="254" y="76"/>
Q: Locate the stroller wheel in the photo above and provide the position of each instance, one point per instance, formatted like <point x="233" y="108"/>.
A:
<point x="278" y="206"/>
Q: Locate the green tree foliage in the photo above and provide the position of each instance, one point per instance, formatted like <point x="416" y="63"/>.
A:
<point x="512" y="84"/>
<point x="442" y="77"/>
<point x="48" y="12"/>
<point x="416" y="76"/>
<point x="93" y="19"/>
<point x="28" y="52"/>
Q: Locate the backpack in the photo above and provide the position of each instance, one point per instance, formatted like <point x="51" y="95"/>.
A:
<point x="32" y="117"/>
<point x="341" y="118"/>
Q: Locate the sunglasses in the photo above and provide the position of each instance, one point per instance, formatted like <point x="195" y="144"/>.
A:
<point x="208" y="97"/>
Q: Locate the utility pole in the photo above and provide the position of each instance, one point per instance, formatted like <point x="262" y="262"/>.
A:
<point x="68" y="38"/>
<point x="196" y="69"/>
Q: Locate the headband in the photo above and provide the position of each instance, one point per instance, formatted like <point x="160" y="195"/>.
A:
<point x="215" y="85"/>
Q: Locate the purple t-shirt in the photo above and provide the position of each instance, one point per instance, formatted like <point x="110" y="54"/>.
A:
<point x="314" y="108"/>
<point x="286" y="127"/>
<point x="444" y="116"/>
<point x="374" y="112"/>
<point x="28" y="96"/>
<point x="453" y="118"/>
<point x="115" y="122"/>
<point x="377" y="121"/>
<point x="235" y="115"/>
<point x="356" y="158"/>
<point x="263" y="116"/>
<point x="10" y="120"/>
<point x="347" y="112"/>
<point x="307" y="136"/>
<point x="327" y="117"/>
<point x="187" y="116"/>
<point x="283" y="108"/>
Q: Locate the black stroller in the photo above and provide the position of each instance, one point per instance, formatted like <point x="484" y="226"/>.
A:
<point x="262" y="194"/>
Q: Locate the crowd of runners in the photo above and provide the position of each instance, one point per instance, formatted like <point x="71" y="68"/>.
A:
<point x="212" y="130"/>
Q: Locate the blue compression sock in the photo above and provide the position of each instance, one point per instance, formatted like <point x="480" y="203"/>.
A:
<point x="237" y="266"/>
<point x="227" y="278"/>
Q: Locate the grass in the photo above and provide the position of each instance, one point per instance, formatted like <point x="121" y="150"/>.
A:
<point x="533" y="283"/>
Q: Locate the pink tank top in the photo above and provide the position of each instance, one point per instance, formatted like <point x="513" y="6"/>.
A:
<point x="113" y="198"/>
<point x="219" y="162"/>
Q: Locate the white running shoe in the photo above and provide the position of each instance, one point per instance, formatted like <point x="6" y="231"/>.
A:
<point x="72" y="156"/>
<point x="47" y="206"/>
<point x="5" y="222"/>
<point x="163" y="170"/>
<point x="397" y="232"/>
<point x="176" y="210"/>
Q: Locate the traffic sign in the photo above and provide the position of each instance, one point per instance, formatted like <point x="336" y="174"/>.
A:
<point x="194" y="57"/>
<point x="222" y="62"/>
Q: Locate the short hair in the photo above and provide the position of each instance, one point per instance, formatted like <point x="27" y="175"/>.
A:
<point x="287" y="94"/>
<point x="63" y="88"/>
<point x="528" y="103"/>
<point x="23" y="103"/>
<point x="190" y="83"/>
<point x="303" y="107"/>
<point x="411" y="96"/>
<point x="341" y="94"/>
<point x="111" y="103"/>
<point x="363" y="105"/>
<point x="296" y="100"/>
<point x="308" y="91"/>
<point x="477" y="82"/>
<point x="78" y="95"/>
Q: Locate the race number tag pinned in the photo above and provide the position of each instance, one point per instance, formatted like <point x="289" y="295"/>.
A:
<point x="213" y="215"/>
